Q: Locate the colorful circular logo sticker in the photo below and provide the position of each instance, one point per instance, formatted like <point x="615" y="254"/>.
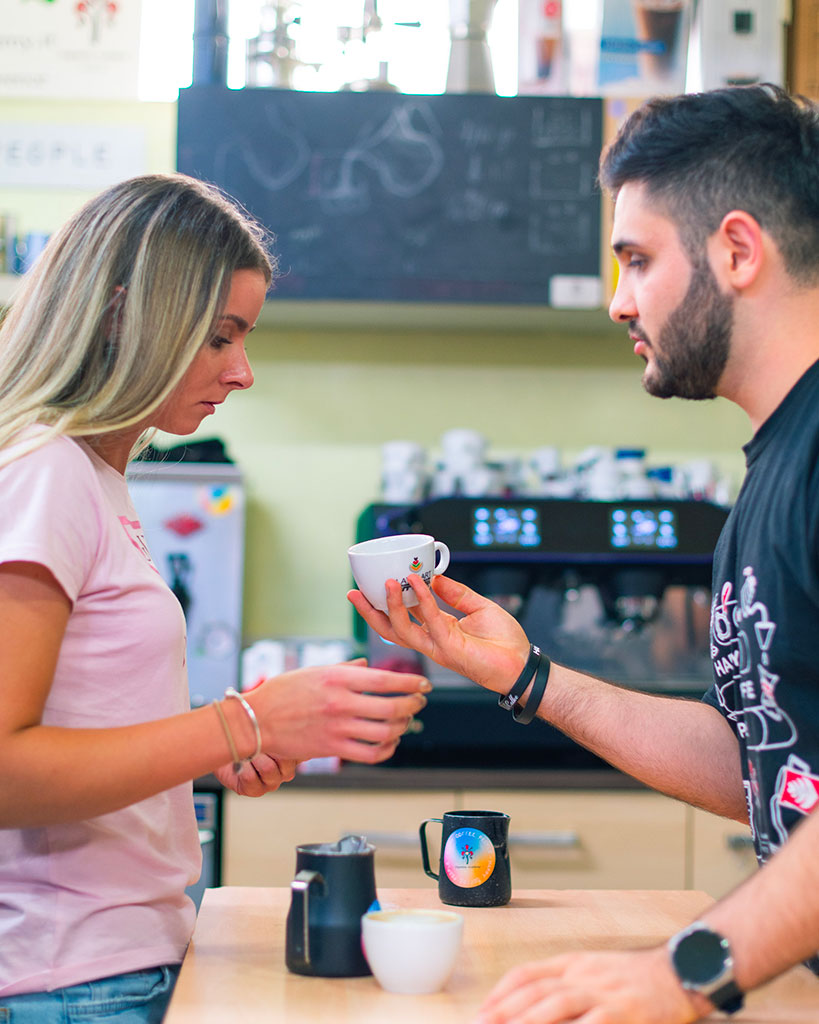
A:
<point x="416" y="565"/>
<point x="218" y="499"/>
<point x="469" y="857"/>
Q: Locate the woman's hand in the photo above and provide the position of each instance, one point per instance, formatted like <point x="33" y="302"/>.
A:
<point x="262" y="774"/>
<point x="486" y="644"/>
<point x="347" y="711"/>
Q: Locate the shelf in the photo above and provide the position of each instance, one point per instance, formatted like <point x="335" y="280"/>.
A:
<point x="467" y="318"/>
<point x="442" y="317"/>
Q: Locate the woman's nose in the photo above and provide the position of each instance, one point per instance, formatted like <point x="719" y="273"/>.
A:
<point x="240" y="374"/>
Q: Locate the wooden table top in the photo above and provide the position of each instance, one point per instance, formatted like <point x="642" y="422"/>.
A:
<point x="234" y="968"/>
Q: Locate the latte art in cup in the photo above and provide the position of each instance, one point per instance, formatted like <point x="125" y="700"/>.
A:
<point x="412" y="918"/>
<point x="412" y="951"/>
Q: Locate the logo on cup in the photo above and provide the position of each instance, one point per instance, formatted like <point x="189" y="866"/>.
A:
<point x="425" y="576"/>
<point x="469" y="857"/>
<point x="416" y="565"/>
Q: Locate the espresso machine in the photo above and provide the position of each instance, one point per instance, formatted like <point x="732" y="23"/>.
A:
<point x="618" y="589"/>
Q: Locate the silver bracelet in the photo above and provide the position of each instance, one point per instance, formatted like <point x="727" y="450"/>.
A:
<point x="251" y="714"/>
<point x="234" y="753"/>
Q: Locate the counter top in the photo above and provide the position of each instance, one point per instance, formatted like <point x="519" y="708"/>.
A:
<point x="356" y="776"/>
<point x="234" y="968"/>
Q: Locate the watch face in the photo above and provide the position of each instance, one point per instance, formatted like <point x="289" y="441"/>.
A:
<point x="700" y="957"/>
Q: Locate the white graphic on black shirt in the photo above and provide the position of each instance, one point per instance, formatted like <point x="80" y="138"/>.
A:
<point x="751" y="789"/>
<point x="742" y="637"/>
<point x="742" y="633"/>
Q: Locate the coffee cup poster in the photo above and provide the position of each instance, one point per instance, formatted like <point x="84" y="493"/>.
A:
<point x="70" y="49"/>
<point x="644" y="46"/>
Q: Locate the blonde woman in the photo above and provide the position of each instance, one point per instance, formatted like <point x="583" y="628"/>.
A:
<point x="135" y="317"/>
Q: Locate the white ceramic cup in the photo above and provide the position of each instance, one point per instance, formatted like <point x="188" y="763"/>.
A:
<point x="375" y="561"/>
<point x="403" y="487"/>
<point x="463" y="447"/>
<point x="412" y="951"/>
<point x="403" y="455"/>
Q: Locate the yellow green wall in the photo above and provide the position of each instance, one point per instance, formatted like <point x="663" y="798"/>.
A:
<point x="308" y="433"/>
<point x="330" y="388"/>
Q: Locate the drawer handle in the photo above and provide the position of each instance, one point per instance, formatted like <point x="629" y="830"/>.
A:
<point x="739" y="842"/>
<point x="566" y="839"/>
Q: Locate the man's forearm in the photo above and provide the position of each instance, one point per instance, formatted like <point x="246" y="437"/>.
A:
<point x="772" y="919"/>
<point x="683" y="748"/>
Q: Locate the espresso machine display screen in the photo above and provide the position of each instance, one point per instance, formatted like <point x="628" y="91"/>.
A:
<point x="643" y="528"/>
<point x="505" y="526"/>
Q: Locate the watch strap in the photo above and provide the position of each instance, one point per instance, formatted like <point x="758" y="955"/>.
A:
<point x="728" y="997"/>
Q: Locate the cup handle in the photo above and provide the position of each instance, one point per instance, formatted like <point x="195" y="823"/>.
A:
<point x="442" y="561"/>
<point x="299" y="889"/>
<point x="422" y="832"/>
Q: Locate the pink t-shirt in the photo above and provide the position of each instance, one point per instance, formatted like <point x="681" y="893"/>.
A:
<point x="98" y="897"/>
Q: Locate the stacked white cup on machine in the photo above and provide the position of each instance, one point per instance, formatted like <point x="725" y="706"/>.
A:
<point x="463" y="468"/>
<point x="403" y="472"/>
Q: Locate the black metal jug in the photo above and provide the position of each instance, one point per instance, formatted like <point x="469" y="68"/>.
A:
<point x="334" y="886"/>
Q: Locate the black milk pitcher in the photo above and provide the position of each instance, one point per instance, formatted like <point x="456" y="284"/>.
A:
<point x="334" y="886"/>
<point x="474" y="864"/>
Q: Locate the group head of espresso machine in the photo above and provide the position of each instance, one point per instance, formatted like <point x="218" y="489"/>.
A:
<point x="618" y="589"/>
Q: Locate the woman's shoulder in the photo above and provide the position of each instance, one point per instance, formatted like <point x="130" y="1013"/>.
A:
<point x="34" y="455"/>
<point x="51" y="507"/>
<point x="40" y="438"/>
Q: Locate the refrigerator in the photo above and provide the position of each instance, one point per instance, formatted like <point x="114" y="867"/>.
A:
<point x="193" y="517"/>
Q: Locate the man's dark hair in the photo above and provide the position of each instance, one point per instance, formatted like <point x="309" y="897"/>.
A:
<point x="752" y="148"/>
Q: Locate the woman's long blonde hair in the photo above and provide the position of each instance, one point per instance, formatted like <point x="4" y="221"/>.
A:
<point x="123" y="296"/>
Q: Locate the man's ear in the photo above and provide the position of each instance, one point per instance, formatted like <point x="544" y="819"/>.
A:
<point x="737" y="250"/>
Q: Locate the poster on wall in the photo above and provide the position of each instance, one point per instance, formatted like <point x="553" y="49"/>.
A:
<point x="542" y="55"/>
<point x="70" y="49"/>
<point x="644" y="47"/>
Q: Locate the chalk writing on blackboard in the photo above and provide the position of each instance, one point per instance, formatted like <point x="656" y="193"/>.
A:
<point x="379" y="195"/>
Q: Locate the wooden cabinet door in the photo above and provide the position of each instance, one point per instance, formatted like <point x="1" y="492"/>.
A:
<point x="723" y="853"/>
<point x="591" y="839"/>
<point x="261" y="835"/>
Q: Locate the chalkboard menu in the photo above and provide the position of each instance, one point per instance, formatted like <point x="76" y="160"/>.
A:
<point x="388" y="196"/>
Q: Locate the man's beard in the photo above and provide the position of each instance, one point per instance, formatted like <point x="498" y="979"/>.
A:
<point x="694" y="342"/>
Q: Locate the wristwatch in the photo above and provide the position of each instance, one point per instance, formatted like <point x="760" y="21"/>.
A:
<point x="702" y="960"/>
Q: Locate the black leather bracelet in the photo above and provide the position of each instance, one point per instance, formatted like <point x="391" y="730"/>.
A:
<point x="527" y="675"/>
<point x="524" y="715"/>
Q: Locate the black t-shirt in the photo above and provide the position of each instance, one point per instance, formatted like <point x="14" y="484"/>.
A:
<point x="765" y="618"/>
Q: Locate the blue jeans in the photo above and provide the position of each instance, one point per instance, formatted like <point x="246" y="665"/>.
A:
<point x="140" y="997"/>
